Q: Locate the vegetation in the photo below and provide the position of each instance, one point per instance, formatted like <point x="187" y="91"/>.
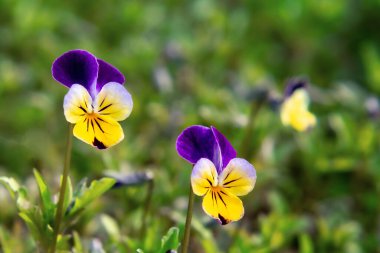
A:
<point x="207" y="62"/>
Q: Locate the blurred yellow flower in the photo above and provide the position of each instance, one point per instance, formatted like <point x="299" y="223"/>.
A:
<point x="294" y="110"/>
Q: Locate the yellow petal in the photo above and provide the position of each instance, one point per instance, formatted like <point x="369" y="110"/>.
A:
<point x="114" y="101"/>
<point x="300" y="98"/>
<point x="77" y="103"/>
<point x="222" y="205"/>
<point x="203" y="176"/>
<point x="239" y="177"/>
<point x="99" y="131"/>
<point x="303" y="121"/>
<point x="294" y="111"/>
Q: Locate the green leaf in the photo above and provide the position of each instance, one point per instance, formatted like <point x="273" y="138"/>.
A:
<point x="33" y="219"/>
<point x="78" y="248"/>
<point x="306" y="245"/>
<point x="170" y="240"/>
<point x="5" y="241"/>
<point x="96" y="189"/>
<point x="63" y="243"/>
<point x="48" y="206"/>
<point x="131" y="243"/>
<point x="81" y="186"/>
<point x="16" y="191"/>
<point x="11" y="185"/>
<point x="68" y="194"/>
<point x="111" y="227"/>
<point x="40" y="230"/>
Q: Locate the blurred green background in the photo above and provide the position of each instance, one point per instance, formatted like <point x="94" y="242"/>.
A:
<point x="202" y="62"/>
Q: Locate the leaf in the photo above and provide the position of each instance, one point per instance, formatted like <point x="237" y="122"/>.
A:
<point x="37" y="225"/>
<point x="11" y="185"/>
<point x="170" y="240"/>
<point x="68" y="194"/>
<point x="63" y="243"/>
<point x="48" y="206"/>
<point x="131" y="243"/>
<point x="111" y="227"/>
<point x="5" y="241"/>
<point x="17" y="192"/>
<point x="306" y="244"/>
<point x="33" y="219"/>
<point x="131" y="179"/>
<point x="78" y="191"/>
<point x="78" y="248"/>
<point x="96" y="189"/>
<point x="82" y="185"/>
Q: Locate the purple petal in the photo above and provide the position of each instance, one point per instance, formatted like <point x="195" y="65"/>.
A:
<point x="76" y="67"/>
<point x="293" y="85"/>
<point x="198" y="142"/>
<point x="226" y="150"/>
<point x="108" y="73"/>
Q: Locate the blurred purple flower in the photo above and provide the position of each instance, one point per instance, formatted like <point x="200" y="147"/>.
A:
<point x="372" y="106"/>
<point x="293" y="85"/>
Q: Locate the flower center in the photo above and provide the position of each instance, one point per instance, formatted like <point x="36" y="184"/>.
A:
<point x="216" y="188"/>
<point x="92" y="115"/>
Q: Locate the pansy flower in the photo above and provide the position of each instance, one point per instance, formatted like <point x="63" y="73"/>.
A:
<point x="294" y="109"/>
<point x="217" y="174"/>
<point x="96" y="100"/>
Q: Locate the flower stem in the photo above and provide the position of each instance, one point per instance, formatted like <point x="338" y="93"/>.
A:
<point x="148" y="201"/>
<point x="245" y="147"/>
<point x="186" y="236"/>
<point x="245" y="151"/>
<point x="66" y="168"/>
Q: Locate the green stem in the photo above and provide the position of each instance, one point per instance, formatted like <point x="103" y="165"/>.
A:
<point x="245" y="151"/>
<point x="66" y="168"/>
<point x="186" y="236"/>
<point x="245" y="147"/>
<point x="148" y="202"/>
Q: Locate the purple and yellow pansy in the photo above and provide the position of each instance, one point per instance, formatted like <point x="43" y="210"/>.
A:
<point x="96" y="99"/>
<point x="218" y="175"/>
<point x="294" y="109"/>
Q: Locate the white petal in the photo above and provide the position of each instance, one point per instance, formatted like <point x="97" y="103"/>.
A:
<point x="239" y="177"/>
<point x="115" y="101"/>
<point x="77" y="103"/>
<point x="203" y="176"/>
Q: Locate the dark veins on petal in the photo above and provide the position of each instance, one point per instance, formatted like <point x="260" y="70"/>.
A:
<point x="231" y="181"/>
<point x="220" y="197"/>
<point x="102" y="102"/>
<point x="223" y="220"/>
<point x="97" y="123"/>
<point x="213" y="198"/>
<point x="80" y="107"/>
<point x="87" y="122"/>
<point x="105" y="107"/>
